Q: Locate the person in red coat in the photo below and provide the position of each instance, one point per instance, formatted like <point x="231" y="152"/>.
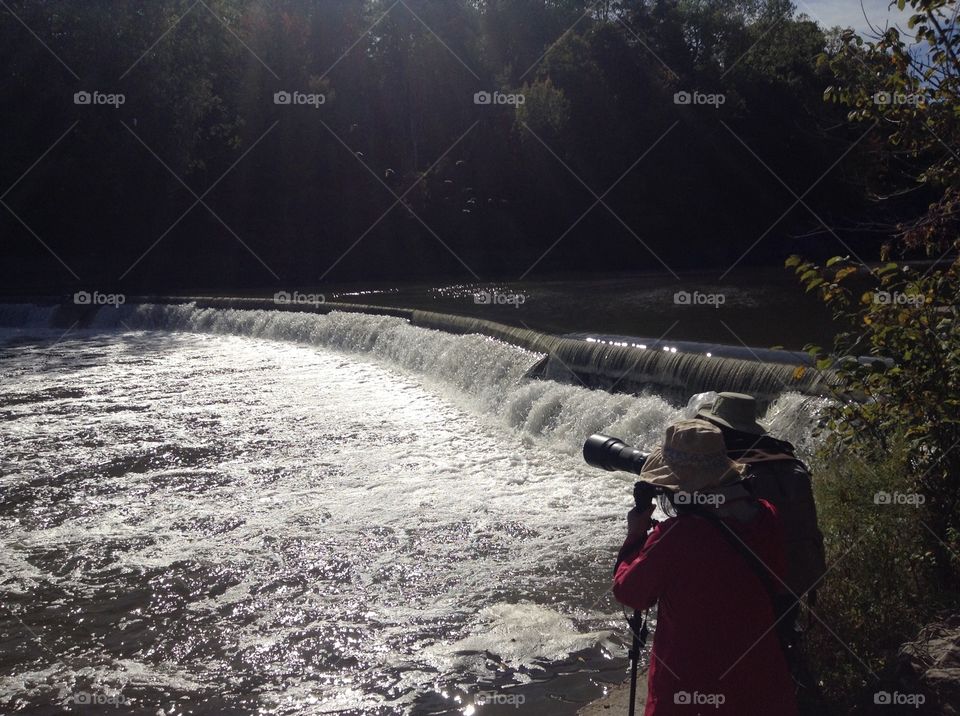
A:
<point x="715" y="649"/>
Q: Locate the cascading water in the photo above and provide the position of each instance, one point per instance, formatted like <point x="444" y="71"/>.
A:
<point x="214" y="510"/>
<point x="486" y="371"/>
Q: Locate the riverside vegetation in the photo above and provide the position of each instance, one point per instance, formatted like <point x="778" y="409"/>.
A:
<point x="889" y="474"/>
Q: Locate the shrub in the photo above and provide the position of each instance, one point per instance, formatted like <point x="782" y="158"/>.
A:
<point x="881" y="584"/>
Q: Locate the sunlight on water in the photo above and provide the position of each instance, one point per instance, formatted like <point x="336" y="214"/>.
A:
<point x="290" y="513"/>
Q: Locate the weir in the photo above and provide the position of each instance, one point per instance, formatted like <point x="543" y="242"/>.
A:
<point x="614" y="368"/>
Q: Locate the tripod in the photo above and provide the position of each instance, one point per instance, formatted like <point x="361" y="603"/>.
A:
<point x="638" y="626"/>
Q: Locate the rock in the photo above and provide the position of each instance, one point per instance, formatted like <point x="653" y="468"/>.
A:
<point x="930" y="664"/>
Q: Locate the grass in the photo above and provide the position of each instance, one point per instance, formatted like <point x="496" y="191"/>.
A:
<point x="878" y="591"/>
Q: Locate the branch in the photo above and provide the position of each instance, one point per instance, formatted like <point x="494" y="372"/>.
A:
<point x="947" y="41"/>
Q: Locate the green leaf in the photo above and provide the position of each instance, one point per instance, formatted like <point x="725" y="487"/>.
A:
<point x="844" y="272"/>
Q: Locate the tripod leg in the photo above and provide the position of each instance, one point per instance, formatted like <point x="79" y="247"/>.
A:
<point x="635" y="628"/>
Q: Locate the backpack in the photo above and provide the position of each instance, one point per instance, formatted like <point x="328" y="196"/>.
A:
<point x="776" y="475"/>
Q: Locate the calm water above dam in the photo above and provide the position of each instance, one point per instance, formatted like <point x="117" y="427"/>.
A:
<point x="759" y="307"/>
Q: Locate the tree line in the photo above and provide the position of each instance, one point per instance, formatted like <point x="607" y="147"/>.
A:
<point x="241" y="143"/>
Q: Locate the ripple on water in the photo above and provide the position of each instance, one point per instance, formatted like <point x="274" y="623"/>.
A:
<point x="227" y="524"/>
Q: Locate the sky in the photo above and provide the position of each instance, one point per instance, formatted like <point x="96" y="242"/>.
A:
<point x="848" y="13"/>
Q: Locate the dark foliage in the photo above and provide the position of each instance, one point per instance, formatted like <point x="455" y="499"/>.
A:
<point x="399" y="174"/>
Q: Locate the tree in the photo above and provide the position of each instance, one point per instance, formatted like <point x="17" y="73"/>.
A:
<point x="907" y="322"/>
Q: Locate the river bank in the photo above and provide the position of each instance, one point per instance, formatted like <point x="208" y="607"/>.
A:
<point x="617" y="700"/>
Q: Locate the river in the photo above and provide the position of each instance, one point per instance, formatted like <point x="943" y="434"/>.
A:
<point x="215" y="511"/>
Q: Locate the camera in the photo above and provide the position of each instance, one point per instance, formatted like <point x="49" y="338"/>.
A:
<point x="609" y="453"/>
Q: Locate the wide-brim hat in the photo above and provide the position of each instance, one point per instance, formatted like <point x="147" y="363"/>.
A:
<point x="693" y="457"/>
<point x="736" y="411"/>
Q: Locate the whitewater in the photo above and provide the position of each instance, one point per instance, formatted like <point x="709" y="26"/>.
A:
<point x="236" y="511"/>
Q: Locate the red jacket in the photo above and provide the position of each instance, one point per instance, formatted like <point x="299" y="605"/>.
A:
<point x="715" y="650"/>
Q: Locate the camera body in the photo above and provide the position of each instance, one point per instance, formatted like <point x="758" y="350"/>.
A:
<point x="644" y="493"/>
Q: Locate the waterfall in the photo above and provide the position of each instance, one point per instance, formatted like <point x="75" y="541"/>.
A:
<point x="484" y="362"/>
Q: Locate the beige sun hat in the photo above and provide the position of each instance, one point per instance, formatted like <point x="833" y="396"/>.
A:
<point x="736" y="411"/>
<point x="693" y="457"/>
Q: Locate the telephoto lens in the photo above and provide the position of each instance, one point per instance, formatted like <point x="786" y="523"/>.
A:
<point x="609" y="453"/>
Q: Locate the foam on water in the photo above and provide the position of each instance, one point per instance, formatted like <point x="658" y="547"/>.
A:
<point x="484" y="370"/>
<point x="528" y="635"/>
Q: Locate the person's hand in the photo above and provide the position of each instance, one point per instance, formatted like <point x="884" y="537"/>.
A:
<point x="638" y="521"/>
